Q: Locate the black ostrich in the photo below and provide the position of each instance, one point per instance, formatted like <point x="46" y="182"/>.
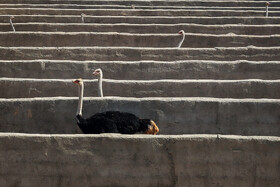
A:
<point x="112" y="121"/>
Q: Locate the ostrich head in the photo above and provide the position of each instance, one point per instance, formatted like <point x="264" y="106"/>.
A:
<point x="78" y="81"/>
<point x="83" y="15"/>
<point x="181" y="32"/>
<point x="267" y="3"/>
<point x="12" y="17"/>
<point x="149" y="126"/>
<point x="98" y="72"/>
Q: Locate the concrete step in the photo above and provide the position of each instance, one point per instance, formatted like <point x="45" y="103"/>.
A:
<point x="228" y="3"/>
<point x="141" y="19"/>
<point x="72" y="39"/>
<point x="135" y="54"/>
<point x="252" y="88"/>
<point x="145" y="70"/>
<point x="173" y="115"/>
<point x="145" y="28"/>
<point x="136" y="12"/>
<point x="255" y="6"/>
<point x="189" y="160"/>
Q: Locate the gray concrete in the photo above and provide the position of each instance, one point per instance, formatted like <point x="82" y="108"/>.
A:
<point x="253" y="88"/>
<point x="87" y="6"/>
<point x="141" y="19"/>
<point x="140" y="160"/>
<point x="136" y="12"/>
<point x="146" y="28"/>
<point x="131" y="54"/>
<point x="228" y="3"/>
<point x="172" y="115"/>
<point x="142" y="70"/>
<point x="61" y="39"/>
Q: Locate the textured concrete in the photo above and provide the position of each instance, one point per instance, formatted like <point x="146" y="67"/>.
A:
<point x="24" y="88"/>
<point x="135" y="12"/>
<point x="146" y="28"/>
<point x="142" y="70"/>
<point x="61" y="39"/>
<point x="141" y="19"/>
<point x="132" y="54"/>
<point x="172" y="115"/>
<point x="142" y="160"/>
<point x="230" y="3"/>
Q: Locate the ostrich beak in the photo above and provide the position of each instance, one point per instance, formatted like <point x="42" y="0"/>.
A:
<point x="75" y="81"/>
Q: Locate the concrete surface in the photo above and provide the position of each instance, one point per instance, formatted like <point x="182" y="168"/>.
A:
<point x="142" y="70"/>
<point x="192" y="40"/>
<point x="253" y="88"/>
<point x="136" y="12"/>
<point x="141" y="19"/>
<point x="131" y="54"/>
<point x="140" y="160"/>
<point x="172" y="115"/>
<point x="146" y="28"/>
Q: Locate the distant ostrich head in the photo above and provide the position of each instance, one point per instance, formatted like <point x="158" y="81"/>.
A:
<point x="98" y="72"/>
<point x="182" y="32"/>
<point x="78" y="81"/>
<point x="11" y="17"/>
<point x="267" y="3"/>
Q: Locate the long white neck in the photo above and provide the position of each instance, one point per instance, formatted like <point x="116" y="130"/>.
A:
<point x="12" y="25"/>
<point x="266" y="14"/>
<point x="81" y="95"/>
<point x="181" y="42"/>
<point x="100" y="91"/>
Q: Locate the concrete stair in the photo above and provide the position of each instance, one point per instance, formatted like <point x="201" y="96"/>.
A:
<point x="216" y="99"/>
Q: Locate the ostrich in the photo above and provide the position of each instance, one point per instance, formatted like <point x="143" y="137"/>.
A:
<point x="267" y="4"/>
<point x="11" y="23"/>
<point x="112" y="121"/>
<point x="182" y="32"/>
<point x="82" y="16"/>
<point x="99" y="74"/>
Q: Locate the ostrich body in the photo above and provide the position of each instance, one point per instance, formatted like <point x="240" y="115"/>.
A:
<point x="11" y="23"/>
<point x="112" y="121"/>
<point x="98" y="72"/>
<point x="182" y="32"/>
<point x="267" y="4"/>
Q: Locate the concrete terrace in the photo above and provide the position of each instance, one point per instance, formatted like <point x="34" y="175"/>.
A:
<point x="216" y="99"/>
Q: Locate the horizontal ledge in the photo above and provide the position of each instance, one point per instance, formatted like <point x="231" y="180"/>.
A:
<point x="192" y="137"/>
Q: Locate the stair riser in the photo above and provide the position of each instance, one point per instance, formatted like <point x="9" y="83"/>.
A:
<point x="219" y="89"/>
<point x="106" y="12"/>
<point x="173" y="116"/>
<point x="136" y="54"/>
<point x="149" y="3"/>
<point x="129" y="40"/>
<point x="102" y="160"/>
<point x="210" y="29"/>
<point x="142" y="20"/>
<point x="142" y="70"/>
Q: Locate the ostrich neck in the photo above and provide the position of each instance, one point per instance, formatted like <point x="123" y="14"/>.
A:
<point x="181" y="42"/>
<point x="100" y="91"/>
<point x="80" y="104"/>
<point x="11" y="23"/>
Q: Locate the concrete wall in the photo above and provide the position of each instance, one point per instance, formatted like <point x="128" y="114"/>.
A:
<point x="135" y="54"/>
<point x="24" y="88"/>
<point x="141" y="20"/>
<point x="58" y="39"/>
<point x="147" y="28"/>
<point x="142" y="70"/>
<point x="140" y="160"/>
<point x="173" y="115"/>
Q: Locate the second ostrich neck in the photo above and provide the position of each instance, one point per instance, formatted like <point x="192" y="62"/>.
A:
<point x="100" y="91"/>
<point x="181" y="42"/>
<point x="80" y="104"/>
